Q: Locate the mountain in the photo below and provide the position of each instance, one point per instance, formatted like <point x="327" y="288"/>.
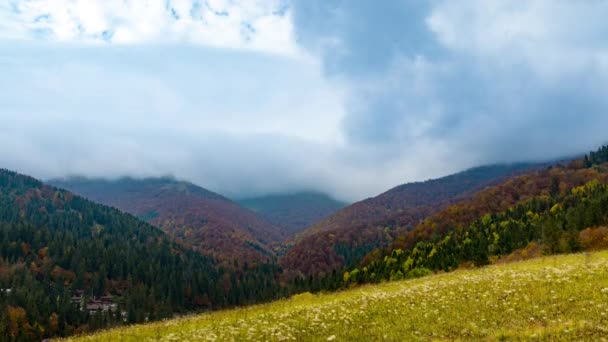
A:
<point x="211" y="223"/>
<point x="68" y="265"/>
<point x="293" y="212"/>
<point x="348" y="235"/>
<point x="555" y="210"/>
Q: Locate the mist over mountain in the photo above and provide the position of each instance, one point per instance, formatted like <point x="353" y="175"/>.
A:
<point x="293" y="211"/>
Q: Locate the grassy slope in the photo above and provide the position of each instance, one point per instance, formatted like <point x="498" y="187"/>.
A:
<point x="553" y="298"/>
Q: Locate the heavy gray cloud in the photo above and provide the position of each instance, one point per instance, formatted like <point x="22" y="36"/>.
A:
<point x="486" y="80"/>
<point x="362" y="37"/>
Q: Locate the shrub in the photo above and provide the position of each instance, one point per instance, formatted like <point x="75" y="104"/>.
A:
<point x="594" y="238"/>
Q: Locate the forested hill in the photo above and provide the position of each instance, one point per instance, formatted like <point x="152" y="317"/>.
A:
<point x="418" y="194"/>
<point x="294" y="211"/>
<point x="348" y="235"/>
<point x="557" y="210"/>
<point x="209" y="222"/>
<point x="64" y="260"/>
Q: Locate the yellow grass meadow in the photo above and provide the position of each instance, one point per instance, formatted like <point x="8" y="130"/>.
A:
<point x="553" y="298"/>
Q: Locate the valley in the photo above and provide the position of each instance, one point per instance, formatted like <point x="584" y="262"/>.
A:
<point x="303" y="170"/>
<point x="294" y="212"/>
<point x="110" y="268"/>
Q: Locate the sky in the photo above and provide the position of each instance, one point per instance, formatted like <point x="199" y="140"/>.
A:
<point x="347" y="97"/>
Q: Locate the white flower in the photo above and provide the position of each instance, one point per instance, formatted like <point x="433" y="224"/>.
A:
<point x="331" y="338"/>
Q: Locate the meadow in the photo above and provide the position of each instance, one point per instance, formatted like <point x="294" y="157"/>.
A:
<point x="551" y="298"/>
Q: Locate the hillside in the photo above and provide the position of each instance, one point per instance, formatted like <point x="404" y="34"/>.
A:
<point x="348" y="235"/>
<point x="64" y="260"/>
<point x="293" y="212"/>
<point x="555" y="209"/>
<point x="212" y="224"/>
<point x="554" y="298"/>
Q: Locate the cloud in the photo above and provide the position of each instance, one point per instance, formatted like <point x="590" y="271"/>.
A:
<point x="236" y="122"/>
<point x="251" y="97"/>
<point x="257" y="25"/>
<point x="362" y="37"/>
<point x="483" y="81"/>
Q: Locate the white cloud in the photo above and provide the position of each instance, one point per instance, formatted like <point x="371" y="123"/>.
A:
<point x="552" y="37"/>
<point x="253" y="24"/>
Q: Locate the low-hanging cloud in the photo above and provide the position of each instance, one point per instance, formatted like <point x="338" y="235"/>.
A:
<point x="236" y="122"/>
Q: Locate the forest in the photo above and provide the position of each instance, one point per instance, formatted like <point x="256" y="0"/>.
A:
<point x="206" y="221"/>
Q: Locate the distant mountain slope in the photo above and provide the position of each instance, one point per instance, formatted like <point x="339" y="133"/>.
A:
<point x="293" y="212"/>
<point x="352" y="232"/>
<point x="56" y="246"/>
<point x="212" y="224"/>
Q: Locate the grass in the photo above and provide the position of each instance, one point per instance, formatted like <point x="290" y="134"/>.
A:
<point x="557" y="298"/>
